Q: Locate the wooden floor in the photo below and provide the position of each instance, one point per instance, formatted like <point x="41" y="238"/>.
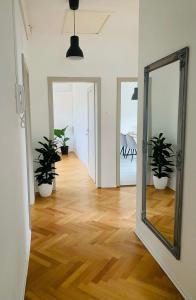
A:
<point x="84" y="246"/>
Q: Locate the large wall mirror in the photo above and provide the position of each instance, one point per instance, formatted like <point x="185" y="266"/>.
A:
<point x="165" y="88"/>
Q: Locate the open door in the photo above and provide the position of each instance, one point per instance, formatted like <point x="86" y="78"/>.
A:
<point x="91" y="133"/>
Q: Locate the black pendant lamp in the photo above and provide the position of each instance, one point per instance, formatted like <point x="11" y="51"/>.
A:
<point x="135" y="94"/>
<point x="74" y="52"/>
<point x="74" y="4"/>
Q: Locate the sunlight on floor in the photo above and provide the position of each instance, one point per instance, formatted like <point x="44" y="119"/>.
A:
<point x="128" y="168"/>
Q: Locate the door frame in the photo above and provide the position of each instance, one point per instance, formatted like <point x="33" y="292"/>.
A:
<point x="118" y="122"/>
<point x="28" y="140"/>
<point x="94" y="115"/>
<point x="97" y="83"/>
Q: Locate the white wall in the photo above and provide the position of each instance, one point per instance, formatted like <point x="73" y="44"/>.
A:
<point x="63" y="109"/>
<point x="14" y="227"/>
<point x="164" y="28"/>
<point x="108" y="56"/>
<point x="164" y="101"/>
<point x="128" y="108"/>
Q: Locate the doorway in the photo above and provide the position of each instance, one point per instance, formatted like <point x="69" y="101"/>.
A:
<point x="127" y="102"/>
<point x="74" y="104"/>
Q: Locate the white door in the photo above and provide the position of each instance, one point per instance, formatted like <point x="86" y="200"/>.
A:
<point x="91" y="134"/>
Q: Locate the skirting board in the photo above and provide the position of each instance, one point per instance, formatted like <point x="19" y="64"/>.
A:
<point x="177" y="285"/>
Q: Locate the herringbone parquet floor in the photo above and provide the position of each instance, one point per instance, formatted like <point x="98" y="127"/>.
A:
<point x="84" y="248"/>
<point x="160" y="210"/>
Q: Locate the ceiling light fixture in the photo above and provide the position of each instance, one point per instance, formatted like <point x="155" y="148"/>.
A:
<point x="135" y="94"/>
<point x="74" y="4"/>
<point x="74" y="52"/>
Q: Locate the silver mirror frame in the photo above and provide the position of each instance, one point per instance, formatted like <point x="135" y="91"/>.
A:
<point x="182" y="56"/>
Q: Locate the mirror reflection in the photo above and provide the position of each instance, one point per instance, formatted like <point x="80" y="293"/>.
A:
<point x="163" y="102"/>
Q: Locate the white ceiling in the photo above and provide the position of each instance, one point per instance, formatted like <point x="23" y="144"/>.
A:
<point x="115" y="16"/>
<point x="87" y="21"/>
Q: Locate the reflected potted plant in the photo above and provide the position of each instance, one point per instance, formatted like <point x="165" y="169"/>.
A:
<point x="45" y="173"/>
<point x="161" y="161"/>
<point x="60" y="134"/>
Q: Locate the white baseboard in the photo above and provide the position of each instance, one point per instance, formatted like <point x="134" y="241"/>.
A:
<point x="152" y="252"/>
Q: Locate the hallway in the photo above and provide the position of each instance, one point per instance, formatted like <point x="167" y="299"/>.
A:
<point x="84" y="246"/>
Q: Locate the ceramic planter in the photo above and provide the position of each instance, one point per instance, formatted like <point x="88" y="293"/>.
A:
<point x="45" y="189"/>
<point x="160" y="183"/>
<point x="64" y="150"/>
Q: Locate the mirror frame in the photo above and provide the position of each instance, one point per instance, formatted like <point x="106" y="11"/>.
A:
<point x="182" y="56"/>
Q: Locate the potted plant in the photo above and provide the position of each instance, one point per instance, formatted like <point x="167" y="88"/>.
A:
<point x="60" y="134"/>
<point x="161" y="161"/>
<point x="45" y="173"/>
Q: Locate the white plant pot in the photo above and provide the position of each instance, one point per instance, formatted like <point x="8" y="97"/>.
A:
<point x="45" y="189"/>
<point x="160" y="183"/>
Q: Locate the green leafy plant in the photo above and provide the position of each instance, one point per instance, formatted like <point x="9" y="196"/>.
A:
<point x="161" y="156"/>
<point x="60" y="133"/>
<point x="48" y="155"/>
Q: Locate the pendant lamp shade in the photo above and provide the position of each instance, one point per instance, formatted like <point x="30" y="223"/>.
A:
<point x="135" y="94"/>
<point x="74" y="4"/>
<point x="74" y="52"/>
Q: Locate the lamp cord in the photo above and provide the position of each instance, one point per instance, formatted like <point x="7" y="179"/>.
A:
<point x="74" y="23"/>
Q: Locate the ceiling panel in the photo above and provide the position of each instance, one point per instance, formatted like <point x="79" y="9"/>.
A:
<point x="87" y="22"/>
